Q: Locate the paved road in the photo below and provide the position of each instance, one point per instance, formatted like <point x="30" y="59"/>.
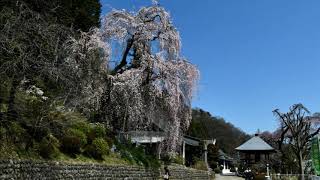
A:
<point x="219" y="177"/>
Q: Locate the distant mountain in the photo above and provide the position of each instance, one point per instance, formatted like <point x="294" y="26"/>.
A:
<point x="206" y="126"/>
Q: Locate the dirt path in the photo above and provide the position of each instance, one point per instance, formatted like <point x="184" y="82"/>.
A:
<point x="219" y="177"/>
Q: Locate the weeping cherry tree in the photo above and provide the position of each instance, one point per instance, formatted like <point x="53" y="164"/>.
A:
<point x="151" y="84"/>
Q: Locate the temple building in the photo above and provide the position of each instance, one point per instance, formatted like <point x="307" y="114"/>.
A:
<point x="255" y="150"/>
<point x="225" y="162"/>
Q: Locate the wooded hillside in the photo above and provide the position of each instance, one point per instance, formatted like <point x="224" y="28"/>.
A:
<point x="206" y="126"/>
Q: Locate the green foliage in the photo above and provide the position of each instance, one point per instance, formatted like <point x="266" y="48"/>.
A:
<point x="86" y="14"/>
<point x="97" y="131"/>
<point x="213" y="155"/>
<point x="178" y="160"/>
<point x="60" y="121"/>
<point x="71" y="118"/>
<point x="73" y="141"/>
<point x="15" y="129"/>
<point x="7" y="150"/>
<point x="136" y="155"/>
<point x="147" y="160"/>
<point x="3" y="108"/>
<point x="315" y="154"/>
<point x="166" y="158"/>
<point x="98" y="149"/>
<point x="3" y="133"/>
<point x="217" y="170"/>
<point x="82" y="126"/>
<point x="32" y="112"/>
<point x="49" y="147"/>
<point x="17" y="134"/>
<point x="169" y="158"/>
<point x="193" y="153"/>
<point x="110" y="141"/>
<point x="81" y="15"/>
<point x="259" y="167"/>
<point x="206" y="126"/>
<point x="201" y="165"/>
<point x="34" y="35"/>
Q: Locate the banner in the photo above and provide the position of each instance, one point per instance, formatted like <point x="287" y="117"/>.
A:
<point x="315" y="154"/>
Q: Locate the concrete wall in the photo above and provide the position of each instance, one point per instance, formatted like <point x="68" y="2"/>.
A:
<point x="27" y="169"/>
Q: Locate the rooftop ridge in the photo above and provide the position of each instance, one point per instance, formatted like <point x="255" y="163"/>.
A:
<point x="255" y="144"/>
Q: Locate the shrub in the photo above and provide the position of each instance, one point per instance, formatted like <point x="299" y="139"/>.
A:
<point x="137" y="155"/>
<point x="201" y="165"/>
<point x="168" y="158"/>
<point x="82" y="126"/>
<point x="97" y="149"/>
<point x="98" y="131"/>
<point x="3" y="133"/>
<point x="16" y="130"/>
<point x="49" y="147"/>
<point x="259" y="167"/>
<point x="109" y="141"/>
<point x="259" y="177"/>
<point x="217" y="170"/>
<point x="125" y="154"/>
<point x="60" y="119"/>
<point x="153" y="161"/>
<point x="141" y="158"/>
<point x="178" y="159"/>
<point x="73" y="141"/>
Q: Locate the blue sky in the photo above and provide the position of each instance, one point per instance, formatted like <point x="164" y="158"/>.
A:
<point x="254" y="56"/>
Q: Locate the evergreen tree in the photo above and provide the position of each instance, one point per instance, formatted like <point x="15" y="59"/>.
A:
<point x="76" y="14"/>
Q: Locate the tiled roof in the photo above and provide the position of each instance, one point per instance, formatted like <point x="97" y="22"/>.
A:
<point x="255" y="144"/>
<point x="224" y="156"/>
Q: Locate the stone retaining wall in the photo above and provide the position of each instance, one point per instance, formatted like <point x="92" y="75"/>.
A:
<point x="29" y="169"/>
<point x="181" y="172"/>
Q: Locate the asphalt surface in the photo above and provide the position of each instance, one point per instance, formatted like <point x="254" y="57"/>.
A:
<point x="220" y="177"/>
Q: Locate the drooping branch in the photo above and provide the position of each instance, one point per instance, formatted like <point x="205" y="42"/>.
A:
<point x="123" y="61"/>
<point x="156" y="86"/>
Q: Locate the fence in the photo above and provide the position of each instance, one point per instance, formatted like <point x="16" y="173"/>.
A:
<point x="142" y="136"/>
<point x="293" y="177"/>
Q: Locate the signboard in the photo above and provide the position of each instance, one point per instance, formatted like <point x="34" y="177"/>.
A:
<point x="315" y="154"/>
